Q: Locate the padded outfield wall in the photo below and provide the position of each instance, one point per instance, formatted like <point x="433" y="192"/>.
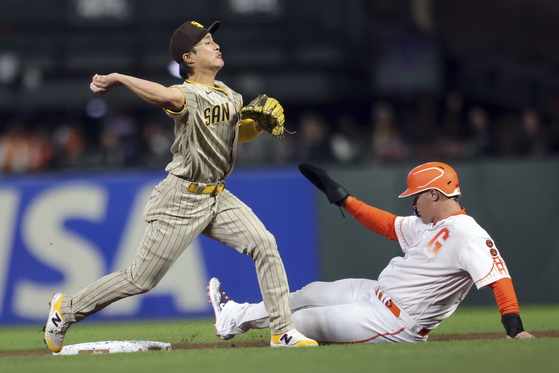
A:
<point x="60" y="232"/>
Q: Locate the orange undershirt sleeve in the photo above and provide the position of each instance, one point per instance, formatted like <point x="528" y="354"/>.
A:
<point x="505" y="296"/>
<point x="379" y="221"/>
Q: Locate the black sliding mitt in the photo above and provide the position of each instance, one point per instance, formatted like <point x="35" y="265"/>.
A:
<point x="334" y="191"/>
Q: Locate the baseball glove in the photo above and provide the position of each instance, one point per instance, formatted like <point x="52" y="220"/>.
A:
<point x="268" y="112"/>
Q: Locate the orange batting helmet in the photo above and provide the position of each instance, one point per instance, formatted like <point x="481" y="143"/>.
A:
<point x="432" y="175"/>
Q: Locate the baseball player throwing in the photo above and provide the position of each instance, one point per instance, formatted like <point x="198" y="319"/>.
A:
<point x="209" y="122"/>
<point x="445" y="253"/>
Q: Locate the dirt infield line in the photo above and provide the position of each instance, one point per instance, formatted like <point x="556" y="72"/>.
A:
<point x="197" y="346"/>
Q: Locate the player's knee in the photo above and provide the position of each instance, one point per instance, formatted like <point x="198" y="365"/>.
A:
<point x="268" y="257"/>
<point x="142" y="285"/>
<point x="265" y="247"/>
<point x="267" y="242"/>
<point x="146" y="286"/>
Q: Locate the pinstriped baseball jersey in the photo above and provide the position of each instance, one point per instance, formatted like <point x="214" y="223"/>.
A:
<point x="204" y="152"/>
<point x="206" y="131"/>
<point x="441" y="263"/>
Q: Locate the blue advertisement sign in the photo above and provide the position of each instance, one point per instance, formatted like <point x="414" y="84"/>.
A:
<point x="61" y="232"/>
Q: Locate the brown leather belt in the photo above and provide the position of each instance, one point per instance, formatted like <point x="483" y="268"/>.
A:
<point x="396" y="310"/>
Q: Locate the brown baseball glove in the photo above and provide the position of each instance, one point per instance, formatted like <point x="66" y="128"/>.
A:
<point x="268" y="112"/>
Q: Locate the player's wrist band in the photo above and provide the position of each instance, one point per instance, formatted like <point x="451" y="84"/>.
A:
<point x="512" y="324"/>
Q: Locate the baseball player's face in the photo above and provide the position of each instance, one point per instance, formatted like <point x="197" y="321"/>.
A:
<point x="208" y="54"/>
<point x="423" y="204"/>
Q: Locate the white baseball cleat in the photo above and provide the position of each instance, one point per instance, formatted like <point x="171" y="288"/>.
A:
<point x="291" y="338"/>
<point x="218" y="299"/>
<point x="55" y="328"/>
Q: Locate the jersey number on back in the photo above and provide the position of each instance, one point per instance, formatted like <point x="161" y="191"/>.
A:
<point x="433" y="247"/>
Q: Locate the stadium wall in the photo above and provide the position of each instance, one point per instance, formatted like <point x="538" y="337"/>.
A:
<point x="60" y="232"/>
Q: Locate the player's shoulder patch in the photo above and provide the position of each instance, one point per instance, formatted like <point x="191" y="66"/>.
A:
<point x="492" y="249"/>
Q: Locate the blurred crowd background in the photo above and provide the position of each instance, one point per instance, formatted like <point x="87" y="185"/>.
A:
<point x="361" y="81"/>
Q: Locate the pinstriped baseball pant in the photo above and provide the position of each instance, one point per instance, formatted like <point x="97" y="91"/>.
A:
<point x="175" y="218"/>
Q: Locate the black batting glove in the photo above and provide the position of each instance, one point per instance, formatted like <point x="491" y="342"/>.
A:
<point x="334" y="191"/>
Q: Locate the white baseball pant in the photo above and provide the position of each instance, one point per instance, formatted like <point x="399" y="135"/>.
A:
<point x="344" y="311"/>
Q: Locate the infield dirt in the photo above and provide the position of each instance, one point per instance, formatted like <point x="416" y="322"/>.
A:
<point x="185" y="345"/>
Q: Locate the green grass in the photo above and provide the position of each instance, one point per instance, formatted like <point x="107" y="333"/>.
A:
<point x="471" y="356"/>
<point x="487" y="320"/>
<point x="461" y="356"/>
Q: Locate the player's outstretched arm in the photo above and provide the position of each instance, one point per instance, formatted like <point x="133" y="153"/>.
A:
<point x="156" y="94"/>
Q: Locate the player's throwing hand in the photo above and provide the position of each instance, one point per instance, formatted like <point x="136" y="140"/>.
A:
<point x="103" y="83"/>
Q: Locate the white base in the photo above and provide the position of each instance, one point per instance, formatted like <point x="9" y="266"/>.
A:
<point x="113" y="347"/>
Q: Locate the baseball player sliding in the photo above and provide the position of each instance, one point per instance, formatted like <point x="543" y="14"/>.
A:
<point x="445" y="253"/>
<point x="209" y="122"/>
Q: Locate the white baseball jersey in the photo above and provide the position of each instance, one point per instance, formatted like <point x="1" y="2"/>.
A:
<point x="440" y="264"/>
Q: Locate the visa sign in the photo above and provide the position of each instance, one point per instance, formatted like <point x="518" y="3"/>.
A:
<point x="60" y="233"/>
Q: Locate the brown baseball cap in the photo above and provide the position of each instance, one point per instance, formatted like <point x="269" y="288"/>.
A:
<point x="187" y="36"/>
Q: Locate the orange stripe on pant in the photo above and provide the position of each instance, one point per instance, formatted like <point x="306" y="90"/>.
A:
<point x="396" y="311"/>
